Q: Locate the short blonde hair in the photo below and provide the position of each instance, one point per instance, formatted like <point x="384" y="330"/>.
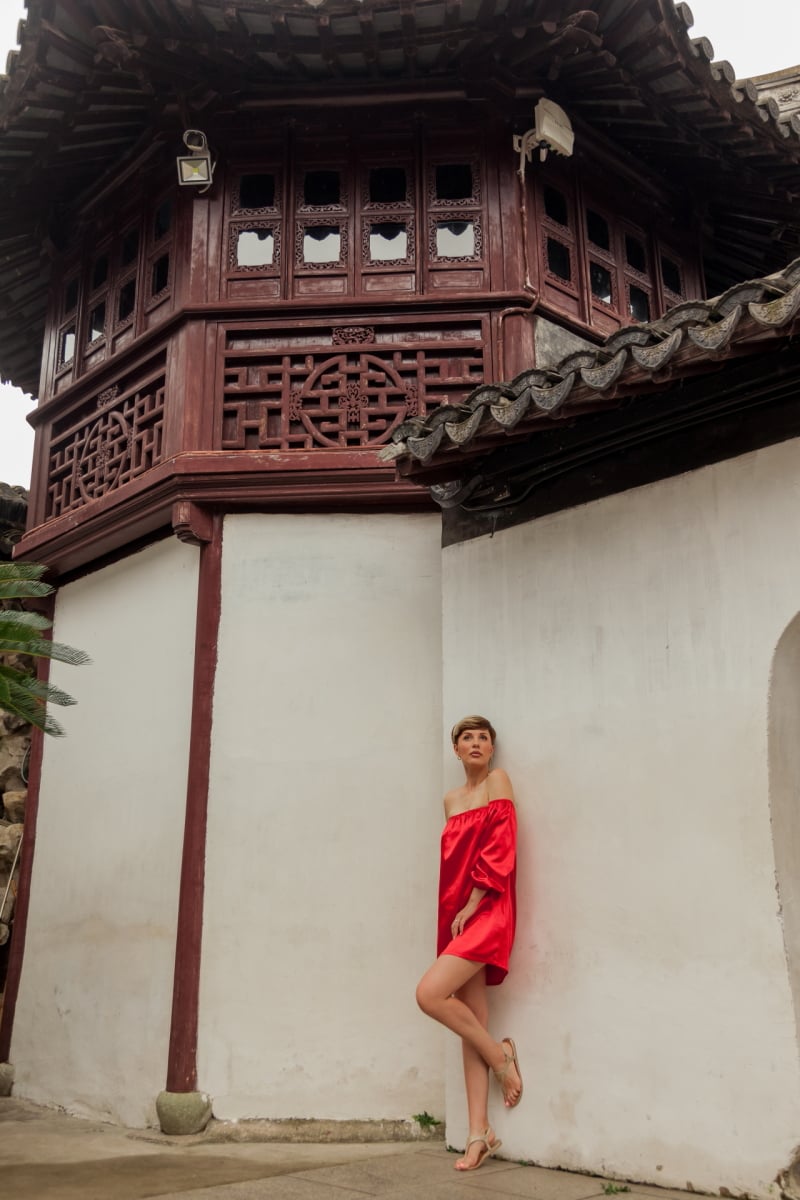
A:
<point x="474" y="722"/>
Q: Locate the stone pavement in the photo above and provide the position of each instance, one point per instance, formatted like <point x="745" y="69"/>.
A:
<point x="47" y="1155"/>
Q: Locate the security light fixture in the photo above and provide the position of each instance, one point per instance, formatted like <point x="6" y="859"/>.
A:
<point x="195" y="169"/>
<point x="552" y="130"/>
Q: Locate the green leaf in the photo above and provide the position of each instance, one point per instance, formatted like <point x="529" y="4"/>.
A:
<point x="21" y="633"/>
<point x="39" y="647"/>
<point x="16" y="698"/>
<point x="22" y="581"/>
<point x="21" y="645"/>
<point x="67" y="654"/>
<point x="23" y="590"/>
<point x="21" y="570"/>
<point x="33" y="620"/>
<point x="48" y="691"/>
<point x="25" y="645"/>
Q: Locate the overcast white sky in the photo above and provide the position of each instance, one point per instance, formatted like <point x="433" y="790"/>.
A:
<point x="754" y="48"/>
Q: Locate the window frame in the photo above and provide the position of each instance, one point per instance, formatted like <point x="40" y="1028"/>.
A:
<point x="583" y="196"/>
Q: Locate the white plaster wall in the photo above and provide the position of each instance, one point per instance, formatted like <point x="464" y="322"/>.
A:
<point x="324" y="819"/>
<point x="623" y="649"/>
<point x="92" y="1021"/>
<point x="784" y="787"/>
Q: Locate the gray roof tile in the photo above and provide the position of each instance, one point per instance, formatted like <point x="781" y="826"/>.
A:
<point x="681" y="340"/>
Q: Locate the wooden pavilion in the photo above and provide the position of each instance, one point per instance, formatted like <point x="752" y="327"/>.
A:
<point x="255" y="256"/>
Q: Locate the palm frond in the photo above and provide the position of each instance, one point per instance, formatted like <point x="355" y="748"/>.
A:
<point x="21" y="570"/>
<point x="32" y="620"/>
<point x="34" y="644"/>
<point x="23" y="589"/>
<point x="39" y="647"/>
<point x="22" y="645"/>
<point x="22" y="632"/>
<point x="22" y="581"/>
<point x="41" y="689"/>
<point x="49" y="692"/>
<point x="67" y="654"/>
<point x="16" y="697"/>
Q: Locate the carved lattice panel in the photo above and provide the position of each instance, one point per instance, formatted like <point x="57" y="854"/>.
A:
<point x="342" y="387"/>
<point x="106" y="442"/>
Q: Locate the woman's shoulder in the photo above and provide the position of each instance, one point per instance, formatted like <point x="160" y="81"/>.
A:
<point x="500" y="786"/>
<point x="453" y="801"/>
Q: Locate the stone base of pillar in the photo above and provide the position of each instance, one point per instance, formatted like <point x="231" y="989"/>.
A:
<point x="183" y="1112"/>
<point x="6" y="1079"/>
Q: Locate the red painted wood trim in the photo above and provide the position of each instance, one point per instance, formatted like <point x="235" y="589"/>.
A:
<point x="246" y="314"/>
<point x="251" y="481"/>
<point x="182" y="1063"/>
<point x="19" y="929"/>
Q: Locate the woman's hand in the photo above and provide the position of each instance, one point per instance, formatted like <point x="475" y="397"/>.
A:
<point x="469" y="909"/>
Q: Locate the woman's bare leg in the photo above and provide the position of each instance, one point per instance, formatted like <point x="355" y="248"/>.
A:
<point x="436" y="997"/>
<point x="476" y="1072"/>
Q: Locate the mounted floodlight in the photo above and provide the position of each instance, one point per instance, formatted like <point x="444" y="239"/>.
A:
<point x="552" y="130"/>
<point x="195" y="169"/>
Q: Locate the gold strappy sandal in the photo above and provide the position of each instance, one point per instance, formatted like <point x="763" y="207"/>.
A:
<point x="488" y="1148"/>
<point x="500" y="1075"/>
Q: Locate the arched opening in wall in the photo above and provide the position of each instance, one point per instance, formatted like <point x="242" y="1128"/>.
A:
<point x="784" y="794"/>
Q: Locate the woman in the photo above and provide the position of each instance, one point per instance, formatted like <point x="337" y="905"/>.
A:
<point x="477" y="913"/>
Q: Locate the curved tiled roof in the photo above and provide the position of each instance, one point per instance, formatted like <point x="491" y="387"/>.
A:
<point x="630" y="361"/>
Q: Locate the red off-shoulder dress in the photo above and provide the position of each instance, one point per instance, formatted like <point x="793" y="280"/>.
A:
<point x="479" y="849"/>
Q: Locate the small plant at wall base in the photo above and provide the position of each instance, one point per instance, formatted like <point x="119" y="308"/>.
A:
<point x="22" y="635"/>
<point x="426" y="1121"/>
<point x="613" y="1189"/>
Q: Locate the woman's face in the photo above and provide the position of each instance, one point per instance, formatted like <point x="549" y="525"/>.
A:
<point x="475" y="747"/>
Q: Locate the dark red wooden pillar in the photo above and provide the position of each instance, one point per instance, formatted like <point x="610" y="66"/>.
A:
<point x="193" y="525"/>
<point x="19" y="928"/>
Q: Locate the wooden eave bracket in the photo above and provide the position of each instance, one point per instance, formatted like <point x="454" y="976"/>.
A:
<point x="192" y="523"/>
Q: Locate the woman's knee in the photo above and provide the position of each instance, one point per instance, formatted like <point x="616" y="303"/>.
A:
<point x="426" y="996"/>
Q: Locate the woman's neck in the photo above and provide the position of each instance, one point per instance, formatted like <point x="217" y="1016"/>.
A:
<point x="476" y="776"/>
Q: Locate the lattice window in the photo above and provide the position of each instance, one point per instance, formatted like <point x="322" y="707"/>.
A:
<point x="672" y="279"/>
<point x="97" y="321"/>
<point x="68" y="328"/>
<point x="388" y="241"/>
<point x="596" y="264"/>
<point x="559" y="249"/>
<point x="455" y="210"/>
<point x="125" y="292"/>
<point x="107" y="441"/>
<point x="637" y="273"/>
<point x="323" y="217"/>
<point x="159" y="263"/>
<point x="124" y="276"/>
<point x="361" y="213"/>
<point x="602" y="255"/>
<point x="342" y="387"/>
<point x="388" y="227"/>
<point x="320" y="245"/>
<point x="255" y="225"/>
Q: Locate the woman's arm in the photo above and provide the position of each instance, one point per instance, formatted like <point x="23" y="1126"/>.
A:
<point x="469" y="909"/>
<point x="498" y="853"/>
<point x="499" y="784"/>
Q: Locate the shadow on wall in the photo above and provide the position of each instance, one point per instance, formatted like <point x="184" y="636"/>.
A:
<point x="784" y="794"/>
